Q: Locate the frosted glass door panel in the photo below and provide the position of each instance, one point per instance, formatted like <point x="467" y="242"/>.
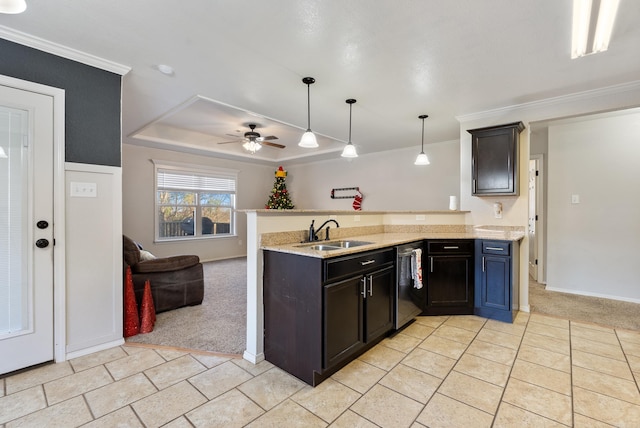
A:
<point x="15" y="291"/>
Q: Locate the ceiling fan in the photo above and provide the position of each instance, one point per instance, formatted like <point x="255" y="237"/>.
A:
<point x="254" y="142"/>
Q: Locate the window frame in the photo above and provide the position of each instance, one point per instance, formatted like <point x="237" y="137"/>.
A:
<point x="200" y="170"/>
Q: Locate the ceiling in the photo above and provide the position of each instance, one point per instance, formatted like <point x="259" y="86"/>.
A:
<point x="238" y="62"/>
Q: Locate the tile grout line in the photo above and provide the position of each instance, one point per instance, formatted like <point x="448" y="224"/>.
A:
<point x="515" y="358"/>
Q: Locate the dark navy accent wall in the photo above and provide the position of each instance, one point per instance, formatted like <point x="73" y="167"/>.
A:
<point x="92" y="100"/>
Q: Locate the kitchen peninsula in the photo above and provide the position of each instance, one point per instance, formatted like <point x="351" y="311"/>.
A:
<point x="283" y="231"/>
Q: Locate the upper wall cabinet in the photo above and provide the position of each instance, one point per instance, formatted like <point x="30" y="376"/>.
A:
<point x="494" y="160"/>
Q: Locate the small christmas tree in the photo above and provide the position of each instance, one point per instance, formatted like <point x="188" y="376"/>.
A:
<point x="279" y="198"/>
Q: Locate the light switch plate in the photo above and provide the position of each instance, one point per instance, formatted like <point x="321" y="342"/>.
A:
<point x="575" y="199"/>
<point x="83" y="190"/>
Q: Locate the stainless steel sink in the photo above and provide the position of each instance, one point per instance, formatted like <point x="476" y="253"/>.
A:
<point x="334" y="245"/>
<point x="321" y="247"/>
<point x="347" y="243"/>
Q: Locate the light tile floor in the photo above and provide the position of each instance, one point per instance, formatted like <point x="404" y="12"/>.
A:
<point x="458" y="371"/>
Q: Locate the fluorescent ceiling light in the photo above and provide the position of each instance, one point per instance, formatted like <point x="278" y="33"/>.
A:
<point x="606" y="18"/>
<point x="583" y="26"/>
<point x="581" y="21"/>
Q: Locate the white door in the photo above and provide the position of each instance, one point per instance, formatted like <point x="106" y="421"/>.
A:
<point x="26" y="229"/>
<point x="533" y="219"/>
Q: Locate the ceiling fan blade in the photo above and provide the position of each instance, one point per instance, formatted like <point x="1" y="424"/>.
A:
<point x="270" y="137"/>
<point x="229" y="142"/>
<point x="266" y="143"/>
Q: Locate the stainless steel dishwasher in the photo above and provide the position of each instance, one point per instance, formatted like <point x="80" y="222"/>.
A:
<point x="410" y="298"/>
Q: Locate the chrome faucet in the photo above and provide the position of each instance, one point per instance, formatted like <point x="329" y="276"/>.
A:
<point x="313" y="233"/>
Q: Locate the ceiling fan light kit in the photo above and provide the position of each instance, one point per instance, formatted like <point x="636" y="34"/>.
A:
<point x="12" y="6"/>
<point x="252" y="141"/>
<point x="308" y="139"/>
<point x="350" y="150"/>
<point x="422" y="158"/>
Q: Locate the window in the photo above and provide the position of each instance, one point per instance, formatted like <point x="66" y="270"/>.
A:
<point x="194" y="201"/>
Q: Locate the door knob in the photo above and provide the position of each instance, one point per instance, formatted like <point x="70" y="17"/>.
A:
<point x="42" y="224"/>
<point x="42" y="243"/>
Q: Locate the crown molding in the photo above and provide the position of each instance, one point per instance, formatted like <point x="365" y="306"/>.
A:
<point x="62" y="51"/>
<point x="552" y="102"/>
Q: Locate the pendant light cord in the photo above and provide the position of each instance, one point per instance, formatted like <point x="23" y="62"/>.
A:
<point x="350" y="106"/>
<point x="422" y="146"/>
<point x="308" y="107"/>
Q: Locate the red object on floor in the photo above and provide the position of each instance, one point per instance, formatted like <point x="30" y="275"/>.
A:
<point x="147" y="310"/>
<point x="131" y="319"/>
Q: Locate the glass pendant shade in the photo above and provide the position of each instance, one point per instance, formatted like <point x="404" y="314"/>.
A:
<point x="308" y="140"/>
<point x="3" y="154"/>
<point x="252" y="146"/>
<point x="349" y="151"/>
<point x="12" y="6"/>
<point x="422" y="159"/>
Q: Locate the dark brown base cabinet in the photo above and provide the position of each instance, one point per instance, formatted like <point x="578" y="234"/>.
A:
<point x="497" y="279"/>
<point x="322" y="313"/>
<point x="449" y="277"/>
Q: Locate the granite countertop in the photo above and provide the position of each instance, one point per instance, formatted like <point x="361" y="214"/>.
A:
<point x="382" y="240"/>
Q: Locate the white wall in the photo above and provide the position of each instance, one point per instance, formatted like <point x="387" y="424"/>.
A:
<point x="594" y="244"/>
<point x="254" y="184"/>
<point x="93" y="260"/>
<point x="389" y="180"/>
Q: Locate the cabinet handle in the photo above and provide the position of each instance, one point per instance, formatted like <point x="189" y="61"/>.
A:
<point x="364" y="287"/>
<point x="453" y="247"/>
<point x="474" y="185"/>
<point x="494" y="248"/>
<point x="431" y="262"/>
<point x="371" y="285"/>
<point x="368" y="262"/>
<point x="482" y="263"/>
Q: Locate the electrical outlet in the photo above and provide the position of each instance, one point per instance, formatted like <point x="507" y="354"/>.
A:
<point x="356" y="218"/>
<point x="497" y="209"/>
<point x="421" y="217"/>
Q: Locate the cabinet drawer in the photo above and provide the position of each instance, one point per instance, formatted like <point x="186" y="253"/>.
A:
<point x="341" y="267"/>
<point x="450" y="247"/>
<point x="500" y="248"/>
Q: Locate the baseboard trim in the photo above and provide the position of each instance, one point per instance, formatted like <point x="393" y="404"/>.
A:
<point x="588" y="294"/>
<point x="92" y="349"/>
<point x="255" y="359"/>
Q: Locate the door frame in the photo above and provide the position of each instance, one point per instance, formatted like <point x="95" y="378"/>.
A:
<point x="540" y="210"/>
<point x="59" y="210"/>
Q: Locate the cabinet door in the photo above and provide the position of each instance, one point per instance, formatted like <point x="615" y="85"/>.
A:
<point x="449" y="282"/>
<point x="496" y="283"/>
<point x="494" y="160"/>
<point x="343" y="319"/>
<point x="379" y="303"/>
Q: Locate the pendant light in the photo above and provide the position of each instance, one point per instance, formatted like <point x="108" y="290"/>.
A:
<point x="350" y="150"/>
<point x="12" y="6"/>
<point x="3" y="154"/>
<point x="308" y="139"/>
<point x="422" y="159"/>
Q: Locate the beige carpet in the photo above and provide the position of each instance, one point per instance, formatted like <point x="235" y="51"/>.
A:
<point x="219" y="324"/>
<point x="605" y="312"/>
